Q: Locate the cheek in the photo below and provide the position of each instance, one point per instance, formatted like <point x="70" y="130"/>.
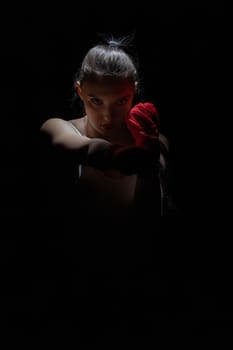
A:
<point x="125" y="112"/>
<point x="93" y="114"/>
<point x="89" y="109"/>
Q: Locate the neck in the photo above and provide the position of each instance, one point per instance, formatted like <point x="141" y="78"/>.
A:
<point x="120" y="136"/>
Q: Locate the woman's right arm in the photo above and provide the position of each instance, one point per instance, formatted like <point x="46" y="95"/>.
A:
<point x="95" y="152"/>
<point x="63" y="138"/>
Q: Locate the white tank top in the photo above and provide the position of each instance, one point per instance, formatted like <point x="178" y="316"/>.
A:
<point x="105" y="195"/>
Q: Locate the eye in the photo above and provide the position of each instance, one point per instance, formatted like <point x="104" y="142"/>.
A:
<point x="96" y="101"/>
<point x="122" y="101"/>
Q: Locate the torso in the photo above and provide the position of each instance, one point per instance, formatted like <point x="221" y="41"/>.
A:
<point x="110" y="193"/>
<point x="106" y="194"/>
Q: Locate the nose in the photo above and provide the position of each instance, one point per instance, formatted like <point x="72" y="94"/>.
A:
<point x="108" y="114"/>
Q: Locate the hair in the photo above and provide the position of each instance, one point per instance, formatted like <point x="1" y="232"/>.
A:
<point x="111" y="57"/>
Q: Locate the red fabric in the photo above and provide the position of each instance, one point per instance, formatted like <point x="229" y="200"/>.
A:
<point x="143" y="123"/>
<point x="130" y="159"/>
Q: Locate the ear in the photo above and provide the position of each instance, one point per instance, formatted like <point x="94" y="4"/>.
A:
<point x="78" y="89"/>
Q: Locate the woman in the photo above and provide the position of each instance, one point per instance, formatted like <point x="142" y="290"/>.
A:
<point x="115" y="152"/>
<point x="106" y="174"/>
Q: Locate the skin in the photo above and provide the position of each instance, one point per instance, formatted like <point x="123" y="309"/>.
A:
<point x="106" y="103"/>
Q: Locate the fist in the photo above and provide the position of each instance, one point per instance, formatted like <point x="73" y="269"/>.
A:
<point x="143" y="124"/>
<point x="131" y="159"/>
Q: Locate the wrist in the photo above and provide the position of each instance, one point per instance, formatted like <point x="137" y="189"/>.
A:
<point x="149" y="142"/>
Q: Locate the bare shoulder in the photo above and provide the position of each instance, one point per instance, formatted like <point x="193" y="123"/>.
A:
<point x="52" y="123"/>
<point x="58" y="126"/>
<point x="64" y="133"/>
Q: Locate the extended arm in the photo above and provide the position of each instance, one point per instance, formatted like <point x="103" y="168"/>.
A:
<point x="95" y="152"/>
<point x="65" y="139"/>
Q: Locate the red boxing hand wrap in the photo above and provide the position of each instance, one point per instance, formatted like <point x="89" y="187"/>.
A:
<point x="143" y="123"/>
<point x="131" y="159"/>
<point x="126" y="159"/>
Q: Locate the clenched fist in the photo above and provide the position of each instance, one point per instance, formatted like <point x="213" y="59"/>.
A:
<point x="143" y="123"/>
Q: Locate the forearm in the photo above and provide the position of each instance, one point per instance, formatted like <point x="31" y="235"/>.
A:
<point x="100" y="154"/>
<point x="87" y="151"/>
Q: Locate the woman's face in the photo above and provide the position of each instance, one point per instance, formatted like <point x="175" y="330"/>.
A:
<point x="106" y="102"/>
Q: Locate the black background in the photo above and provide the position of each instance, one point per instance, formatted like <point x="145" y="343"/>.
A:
<point x="184" y="55"/>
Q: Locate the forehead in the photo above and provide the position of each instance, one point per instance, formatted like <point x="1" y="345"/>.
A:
<point x="108" y="87"/>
